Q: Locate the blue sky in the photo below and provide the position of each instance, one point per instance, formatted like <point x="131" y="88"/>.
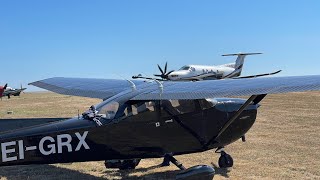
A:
<point x="109" y="39"/>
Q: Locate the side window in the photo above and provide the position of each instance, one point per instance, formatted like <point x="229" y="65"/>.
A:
<point x="175" y="107"/>
<point x="205" y="104"/>
<point x="186" y="106"/>
<point x="150" y="105"/>
<point x="139" y="107"/>
<point x="145" y="106"/>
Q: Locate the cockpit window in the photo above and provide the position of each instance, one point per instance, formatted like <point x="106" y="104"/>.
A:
<point x="108" y="110"/>
<point x="185" y="68"/>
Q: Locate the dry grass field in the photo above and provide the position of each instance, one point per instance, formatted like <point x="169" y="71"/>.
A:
<point x="284" y="143"/>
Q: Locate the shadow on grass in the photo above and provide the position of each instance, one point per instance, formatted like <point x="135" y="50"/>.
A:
<point x="221" y="171"/>
<point x="49" y="172"/>
<point x="37" y="172"/>
<point x="143" y="173"/>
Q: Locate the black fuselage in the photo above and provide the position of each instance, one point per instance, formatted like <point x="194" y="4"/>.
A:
<point x="190" y="126"/>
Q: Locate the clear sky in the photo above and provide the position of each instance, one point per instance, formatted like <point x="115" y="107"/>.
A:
<point x="108" y="39"/>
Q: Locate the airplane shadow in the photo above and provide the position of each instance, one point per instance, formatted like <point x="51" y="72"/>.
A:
<point x="221" y="171"/>
<point x="50" y="172"/>
<point x="143" y="173"/>
<point x="168" y="174"/>
<point x="40" y="172"/>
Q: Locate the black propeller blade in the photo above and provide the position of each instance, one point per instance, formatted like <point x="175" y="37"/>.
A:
<point x="164" y="74"/>
<point x="5" y="86"/>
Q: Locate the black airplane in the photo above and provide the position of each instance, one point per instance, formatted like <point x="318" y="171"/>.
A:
<point x="147" y="119"/>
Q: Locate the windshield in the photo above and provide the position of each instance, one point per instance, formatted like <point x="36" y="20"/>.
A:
<point x="108" y="110"/>
<point x="185" y="68"/>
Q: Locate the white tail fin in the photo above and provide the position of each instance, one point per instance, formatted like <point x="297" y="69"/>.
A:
<point x="239" y="62"/>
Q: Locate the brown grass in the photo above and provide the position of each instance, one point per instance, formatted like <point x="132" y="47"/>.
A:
<point x="284" y="143"/>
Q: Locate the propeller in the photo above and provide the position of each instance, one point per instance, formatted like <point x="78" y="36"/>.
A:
<point x="22" y="89"/>
<point x="164" y="74"/>
<point x="5" y="86"/>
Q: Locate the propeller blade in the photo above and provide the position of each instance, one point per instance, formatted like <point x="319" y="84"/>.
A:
<point x="165" y="68"/>
<point x="160" y="69"/>
<point x="5" y="86"/>
<point x="157" y="75"/>
<point x="169" y="73"/>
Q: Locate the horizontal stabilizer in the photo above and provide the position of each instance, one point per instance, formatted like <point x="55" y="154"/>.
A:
<point x="241" y="54"/>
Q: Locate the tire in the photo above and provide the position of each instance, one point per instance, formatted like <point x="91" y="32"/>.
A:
<point x="129" y="164"/>
<point x="122" y="164"/>
<point x="225" y="161"/>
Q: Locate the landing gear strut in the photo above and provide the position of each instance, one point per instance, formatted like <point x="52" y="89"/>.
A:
<point x="169" y="158"/>
<point x="225" y="160"/>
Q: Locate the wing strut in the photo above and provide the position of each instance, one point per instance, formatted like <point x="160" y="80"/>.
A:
<point x="254" y="98"/>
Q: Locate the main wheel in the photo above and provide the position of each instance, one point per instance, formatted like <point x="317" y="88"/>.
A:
<point x="129" y="164"/>
<point x="122" y="164"/>
<point x="225" y="160"/>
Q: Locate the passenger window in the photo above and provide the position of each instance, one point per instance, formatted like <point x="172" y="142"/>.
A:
<point x="134" y="110"/>
<point x="150" y="105"/>
<point x="140" y="107"/>
<point x="175" y="107"/>
<point x="145" y="106"/>
<point x="186" y="106"/>
<point x="205" y="104"/>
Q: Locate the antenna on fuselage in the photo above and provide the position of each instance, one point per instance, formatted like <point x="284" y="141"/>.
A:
<point x="133" y="86"/>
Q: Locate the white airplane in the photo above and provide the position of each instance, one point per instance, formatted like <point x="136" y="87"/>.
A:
<point x="200" y="72"/>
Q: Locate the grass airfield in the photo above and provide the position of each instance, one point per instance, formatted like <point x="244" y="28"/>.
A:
<point x="284" y="143"/>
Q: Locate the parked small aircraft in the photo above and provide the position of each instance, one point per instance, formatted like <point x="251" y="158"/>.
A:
<point x="2" y="89"/>
<point x="200" y="72"/>
<point x="8" y="91"/>
<point x="147" y="119"/>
